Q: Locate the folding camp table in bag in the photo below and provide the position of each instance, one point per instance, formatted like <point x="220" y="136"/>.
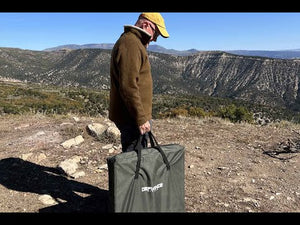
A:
<point x="148" y="179"/>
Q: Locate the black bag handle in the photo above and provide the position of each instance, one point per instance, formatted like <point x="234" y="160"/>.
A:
<point x="157" y="146"/>
<point x="154" y="144"/>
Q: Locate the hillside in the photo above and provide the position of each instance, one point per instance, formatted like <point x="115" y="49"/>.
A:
<point x="229" y="167"/>
<point x="255" y="79"/>
<point x="21" y="98"/>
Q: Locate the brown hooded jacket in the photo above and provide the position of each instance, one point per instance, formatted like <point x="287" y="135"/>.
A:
<point x="131" y="79"/>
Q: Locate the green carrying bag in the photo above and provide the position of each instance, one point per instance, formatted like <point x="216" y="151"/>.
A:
<point x="147" y="180"/>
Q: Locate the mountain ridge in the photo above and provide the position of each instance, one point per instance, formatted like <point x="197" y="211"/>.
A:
<point x="151" y="48"/>
<point x="274" y="82"/>
<point x="280" y="54"/>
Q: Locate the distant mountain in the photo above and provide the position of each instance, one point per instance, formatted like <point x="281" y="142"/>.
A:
<point x="280" y="54"/>
<point x="160" y="49"/>
<point x="75" y="46"/>
<point x="151" y="48"/>
<point x="273" y="82"/>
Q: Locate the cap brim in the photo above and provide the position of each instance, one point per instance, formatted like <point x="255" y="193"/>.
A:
<point x="163" y="31"/>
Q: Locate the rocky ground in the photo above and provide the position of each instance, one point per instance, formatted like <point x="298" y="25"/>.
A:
<point x="228" y="167"/>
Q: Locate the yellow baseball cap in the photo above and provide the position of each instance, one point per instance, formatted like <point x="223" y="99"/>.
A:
<point x="159" y="22"/>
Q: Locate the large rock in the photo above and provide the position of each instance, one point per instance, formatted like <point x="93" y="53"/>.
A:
<point x="96" y="129"/>
<point x="73" y="142"/>
<point x="113" y="133"/>
<point x="47" y="199"/>
<point x="69" y="166"/>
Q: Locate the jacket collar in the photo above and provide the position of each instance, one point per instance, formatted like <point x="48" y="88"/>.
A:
<point x="143" y="35"/>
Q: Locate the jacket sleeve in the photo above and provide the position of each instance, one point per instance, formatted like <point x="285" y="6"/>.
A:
<point x="129" y="64"/>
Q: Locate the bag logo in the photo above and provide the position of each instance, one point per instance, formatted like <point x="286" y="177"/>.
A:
<point x="152" y="189"/>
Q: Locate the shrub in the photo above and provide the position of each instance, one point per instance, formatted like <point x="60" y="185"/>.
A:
<point x="235" y="114"/>
<point x="197" y="112"/>
<point x="175" y="112"/>
<point x="179" y="112"/>
<point x="10" y="109"/>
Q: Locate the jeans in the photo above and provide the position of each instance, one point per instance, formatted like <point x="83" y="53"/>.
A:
<point x="130" y="134"/>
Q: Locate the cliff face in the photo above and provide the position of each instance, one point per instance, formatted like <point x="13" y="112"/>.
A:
<point x="262" y="80"/>
<point x="256" y="79"/>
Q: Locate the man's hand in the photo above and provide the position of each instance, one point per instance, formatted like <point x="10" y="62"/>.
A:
<point x="146" y="127"/>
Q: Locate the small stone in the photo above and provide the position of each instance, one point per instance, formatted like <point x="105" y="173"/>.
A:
<point x="47" y="200"/>
<point x="222" y="168"/>
<point x="103" y="167"/>
<point x="76" y="119"/>
<point x="108" y="146"/>
<point x="25" y="156"/>
<point x="78" y="174"/>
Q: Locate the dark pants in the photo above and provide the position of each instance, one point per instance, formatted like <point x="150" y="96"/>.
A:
<point x="130" y="134"/>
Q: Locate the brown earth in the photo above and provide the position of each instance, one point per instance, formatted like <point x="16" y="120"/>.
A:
<point x="226" y="165"/>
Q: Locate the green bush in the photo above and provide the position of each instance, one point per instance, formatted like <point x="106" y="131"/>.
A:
<point x="235" y="114"/>
<point x="10" y="109"/>
<point x="197" y="112"/>
<point x="175" y="112"/>
<point x="184" y="111"/>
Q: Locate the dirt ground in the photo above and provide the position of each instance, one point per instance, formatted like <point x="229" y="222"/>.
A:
<point x="228" y="167"/>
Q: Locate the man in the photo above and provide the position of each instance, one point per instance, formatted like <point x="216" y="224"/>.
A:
<point x="131" y="80"/>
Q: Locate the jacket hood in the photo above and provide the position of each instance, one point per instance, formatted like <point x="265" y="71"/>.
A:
<point x="142" y="34"/>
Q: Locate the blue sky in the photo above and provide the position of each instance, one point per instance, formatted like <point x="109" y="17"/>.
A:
<point x="202" y="31"/>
